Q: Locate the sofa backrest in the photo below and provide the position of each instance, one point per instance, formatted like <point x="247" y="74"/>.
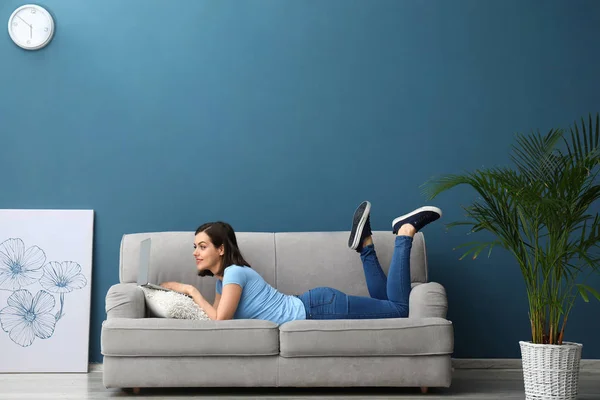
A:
<point x="308" y="260"/>
<point x="291" y="262"/>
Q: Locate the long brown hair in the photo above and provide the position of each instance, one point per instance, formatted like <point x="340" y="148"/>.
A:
<point x="222" y="234"/>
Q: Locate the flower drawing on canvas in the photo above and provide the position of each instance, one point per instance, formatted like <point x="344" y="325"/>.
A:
<point x="19" y="266"/>
<point x="28" y="317"/>
<point x="62" y="277"/>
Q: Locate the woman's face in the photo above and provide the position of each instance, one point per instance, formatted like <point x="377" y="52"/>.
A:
<point x="207" y="256"/>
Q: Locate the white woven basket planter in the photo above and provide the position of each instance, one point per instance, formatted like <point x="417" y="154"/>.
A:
<point x="551" y="372"/>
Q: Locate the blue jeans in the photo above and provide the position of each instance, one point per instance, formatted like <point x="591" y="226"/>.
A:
<point x="389" y="296"/>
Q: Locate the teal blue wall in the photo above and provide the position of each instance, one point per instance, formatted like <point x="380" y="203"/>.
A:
<point x="284" y="115"/>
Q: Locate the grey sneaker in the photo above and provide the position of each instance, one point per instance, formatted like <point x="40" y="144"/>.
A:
<point x="361" y="226"/>
<point x="417" y="218"/>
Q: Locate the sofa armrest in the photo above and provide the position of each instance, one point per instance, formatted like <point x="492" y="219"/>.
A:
<point x="125" y="300"/>
<point x="428" y="300"/>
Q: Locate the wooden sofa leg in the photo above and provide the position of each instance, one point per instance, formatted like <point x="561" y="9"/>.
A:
<point x="136" y="390"/>
<point x="424" y="389"/>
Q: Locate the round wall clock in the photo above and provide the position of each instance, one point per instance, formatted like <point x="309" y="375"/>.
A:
<point x="31" y="27"/>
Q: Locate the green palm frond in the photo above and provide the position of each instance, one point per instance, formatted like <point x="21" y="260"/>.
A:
<point x="534" y="156"/>
<point x="584" y="145"/>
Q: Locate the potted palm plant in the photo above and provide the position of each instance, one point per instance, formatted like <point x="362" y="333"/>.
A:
<point x="539" y="210"/>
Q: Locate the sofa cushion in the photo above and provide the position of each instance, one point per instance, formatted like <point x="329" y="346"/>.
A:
<point x="170" y="304"/>
<point x="372" y="337"/>
<point x="180" y="337"/>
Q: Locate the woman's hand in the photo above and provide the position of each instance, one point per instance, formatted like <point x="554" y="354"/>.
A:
<point x="179" y="287"/>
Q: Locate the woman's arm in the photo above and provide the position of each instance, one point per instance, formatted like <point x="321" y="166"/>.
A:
<point x="230" y="299"/>
<point x="226" y="303"/>
<point x="217" y="299"/>
<point x="201" y="301"/>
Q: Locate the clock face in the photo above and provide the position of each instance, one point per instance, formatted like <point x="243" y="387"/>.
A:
<point x="31" y="27"/>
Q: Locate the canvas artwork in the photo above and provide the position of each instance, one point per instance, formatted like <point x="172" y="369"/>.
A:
<point x="45" y="290"/>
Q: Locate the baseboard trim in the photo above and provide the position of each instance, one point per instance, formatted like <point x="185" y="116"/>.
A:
<point x="510" y="363"/>
<point x="466" y="363"/>
<point x="95" y="367"/>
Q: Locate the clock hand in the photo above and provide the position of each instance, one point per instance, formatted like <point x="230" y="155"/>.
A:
<point x="24" y="21"/>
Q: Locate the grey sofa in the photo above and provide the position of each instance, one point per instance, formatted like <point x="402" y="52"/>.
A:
<point x="153" y="352"/>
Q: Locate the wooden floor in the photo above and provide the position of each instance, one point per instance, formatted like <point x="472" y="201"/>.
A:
<point x="467" y="384"/>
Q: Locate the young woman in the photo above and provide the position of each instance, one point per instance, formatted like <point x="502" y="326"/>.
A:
<point x="241" y="293"/>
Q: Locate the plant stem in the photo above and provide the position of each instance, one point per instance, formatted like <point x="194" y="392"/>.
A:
<point x="562" y="330"/>
<point x="62" y="303"/>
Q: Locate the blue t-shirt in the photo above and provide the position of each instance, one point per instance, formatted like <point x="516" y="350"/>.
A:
<point x="260" y="300"/>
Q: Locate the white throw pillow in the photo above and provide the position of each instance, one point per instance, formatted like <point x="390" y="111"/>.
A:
<point x="165" y="304"/>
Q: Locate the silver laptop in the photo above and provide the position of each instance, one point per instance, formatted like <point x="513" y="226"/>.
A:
<point x="144" y="269"/>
